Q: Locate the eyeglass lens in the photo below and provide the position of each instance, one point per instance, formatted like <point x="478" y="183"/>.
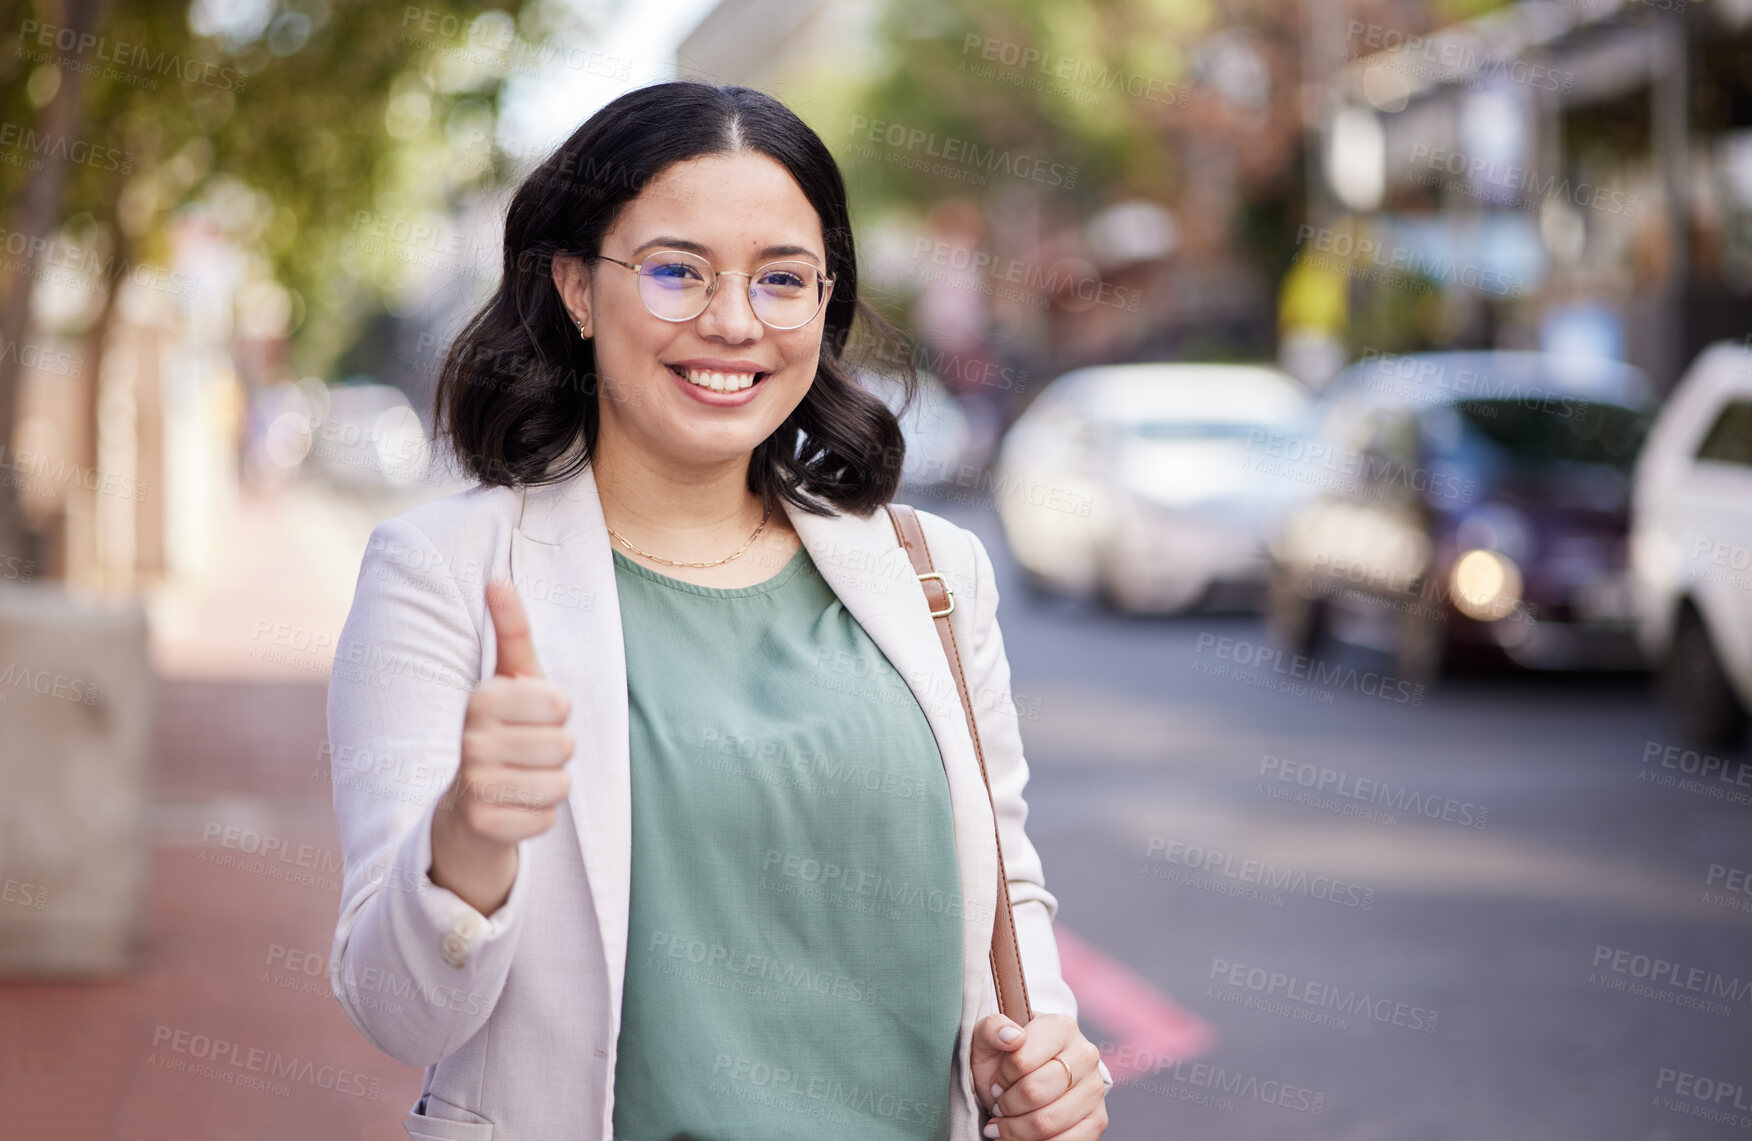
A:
<point x="784" y="294"/>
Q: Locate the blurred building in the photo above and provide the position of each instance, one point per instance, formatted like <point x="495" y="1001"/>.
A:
<point x="1142" y="268"/>
<point x="1573" y="176"/>
<point x="785" y="47"/>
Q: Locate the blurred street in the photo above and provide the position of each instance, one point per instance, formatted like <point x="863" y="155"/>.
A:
<point x="1455" y="951"/>
<point x="1488" y="935"/>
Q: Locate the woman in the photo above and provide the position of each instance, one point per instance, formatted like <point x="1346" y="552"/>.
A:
<point x="665" y="845"/>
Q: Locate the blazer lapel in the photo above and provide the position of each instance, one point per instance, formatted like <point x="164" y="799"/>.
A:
<point x="561" y="562"/>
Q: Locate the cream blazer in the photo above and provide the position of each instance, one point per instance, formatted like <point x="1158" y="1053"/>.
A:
<point x="516" y="1017"/>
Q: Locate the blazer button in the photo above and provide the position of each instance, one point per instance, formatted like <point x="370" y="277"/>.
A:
<point x="468" y="924"/>
<point x="454" y="949"/>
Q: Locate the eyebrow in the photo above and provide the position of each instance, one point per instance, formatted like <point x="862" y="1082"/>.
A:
<point x="686" y="246"/>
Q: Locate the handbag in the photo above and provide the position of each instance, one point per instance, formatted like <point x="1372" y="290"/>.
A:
<point x="1006" y="953"/>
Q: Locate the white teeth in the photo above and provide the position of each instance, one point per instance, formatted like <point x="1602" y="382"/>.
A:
<point x="720" y="381"/>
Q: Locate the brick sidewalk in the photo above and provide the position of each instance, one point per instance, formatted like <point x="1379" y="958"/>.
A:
<point x="236" y="947"/>
<point x="232" y="952"/>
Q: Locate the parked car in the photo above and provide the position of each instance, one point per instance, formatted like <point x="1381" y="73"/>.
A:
<point x="1691" y="546"/>
<point x="1471" y="505"/>
<point x="1133" y="482"/>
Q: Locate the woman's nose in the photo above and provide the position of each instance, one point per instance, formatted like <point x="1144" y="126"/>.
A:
<point x="733" y="319"/>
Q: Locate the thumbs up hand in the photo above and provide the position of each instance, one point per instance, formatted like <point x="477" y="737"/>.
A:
<point x="512" y="775"/>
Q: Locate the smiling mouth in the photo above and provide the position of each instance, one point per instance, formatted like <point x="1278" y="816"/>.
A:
<point x="718" y="381"/>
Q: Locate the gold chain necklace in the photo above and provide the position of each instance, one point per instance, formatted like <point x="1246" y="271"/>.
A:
<point x="673" y="563"/>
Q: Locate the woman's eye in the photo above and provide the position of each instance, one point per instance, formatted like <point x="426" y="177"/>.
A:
<point x="782" y="279"/>
<point x="674" y="271"/>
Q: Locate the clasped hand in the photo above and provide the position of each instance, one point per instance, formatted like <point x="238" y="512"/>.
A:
<point x="1031" y="1095"/>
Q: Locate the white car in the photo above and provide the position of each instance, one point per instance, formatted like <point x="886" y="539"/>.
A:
<point x="1691" y="546"/>
<point x="1136" y="482"/>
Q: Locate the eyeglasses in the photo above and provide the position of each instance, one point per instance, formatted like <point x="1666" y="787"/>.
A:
<point x="677" y="286"/>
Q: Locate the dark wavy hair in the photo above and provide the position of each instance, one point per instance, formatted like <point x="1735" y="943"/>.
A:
<point x="517" y="395"/>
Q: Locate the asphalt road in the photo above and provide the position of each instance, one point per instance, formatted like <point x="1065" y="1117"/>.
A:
<point x="1497" y="908"/>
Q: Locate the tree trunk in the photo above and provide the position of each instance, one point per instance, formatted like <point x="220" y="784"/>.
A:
<point x="37" y="215"/>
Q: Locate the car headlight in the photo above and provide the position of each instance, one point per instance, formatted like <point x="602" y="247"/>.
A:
<point x="1485" y="585"/>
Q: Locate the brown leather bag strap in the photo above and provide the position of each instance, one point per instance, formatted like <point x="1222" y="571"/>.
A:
<point x="1006" y="953"/>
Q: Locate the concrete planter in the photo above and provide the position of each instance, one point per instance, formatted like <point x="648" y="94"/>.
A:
<point x="76" y="703"/>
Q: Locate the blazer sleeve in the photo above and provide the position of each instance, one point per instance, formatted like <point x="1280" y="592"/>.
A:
<point x="1000" y="735"/>
<point x="417" y="970"/>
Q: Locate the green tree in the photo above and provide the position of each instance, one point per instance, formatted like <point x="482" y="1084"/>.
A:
<point x="298" y="114"/>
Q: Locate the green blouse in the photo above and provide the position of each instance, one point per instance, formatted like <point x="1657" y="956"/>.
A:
<point x="793" y="952"/>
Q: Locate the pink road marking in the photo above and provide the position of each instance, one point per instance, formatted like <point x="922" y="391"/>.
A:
<point x="1147" y="1026"/>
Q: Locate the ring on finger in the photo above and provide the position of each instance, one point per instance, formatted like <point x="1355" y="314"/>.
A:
<point x="1070" y="1078"/>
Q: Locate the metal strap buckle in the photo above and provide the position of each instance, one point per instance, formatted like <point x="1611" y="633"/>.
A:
<point x="946" y="590"/>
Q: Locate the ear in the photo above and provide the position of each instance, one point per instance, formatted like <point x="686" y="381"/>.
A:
<point x="572" y="280"/>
